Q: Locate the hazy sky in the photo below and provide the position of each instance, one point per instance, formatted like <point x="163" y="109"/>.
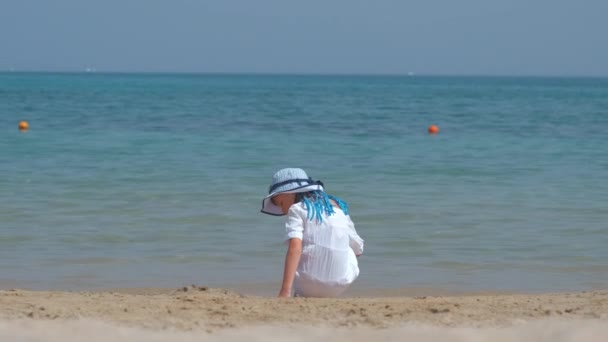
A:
<point x="499" y="37"/>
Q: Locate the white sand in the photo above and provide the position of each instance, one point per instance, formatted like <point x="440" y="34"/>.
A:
<point x="548" y="330"/>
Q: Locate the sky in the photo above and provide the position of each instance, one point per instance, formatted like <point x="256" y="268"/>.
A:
<point x="440" y="37"/>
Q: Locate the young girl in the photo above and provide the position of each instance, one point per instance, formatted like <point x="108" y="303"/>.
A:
<point x="322" y="241"/>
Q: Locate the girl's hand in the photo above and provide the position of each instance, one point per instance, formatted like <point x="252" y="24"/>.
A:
<point x="285" y="293"/>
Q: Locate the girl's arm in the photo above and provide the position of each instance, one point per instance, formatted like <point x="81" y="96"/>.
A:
<point x="292" y="259"/>
<point x="356" y="242"/>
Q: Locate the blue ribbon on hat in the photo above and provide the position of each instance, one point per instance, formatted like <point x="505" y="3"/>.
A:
<point x="307" y="182"/>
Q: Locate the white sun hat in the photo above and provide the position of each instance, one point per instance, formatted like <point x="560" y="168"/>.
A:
<point x="286" y="181"/>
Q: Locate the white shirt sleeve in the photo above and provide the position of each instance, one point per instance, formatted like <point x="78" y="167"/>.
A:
<point x="356" y="242"/>
<point x="294" y="226"/>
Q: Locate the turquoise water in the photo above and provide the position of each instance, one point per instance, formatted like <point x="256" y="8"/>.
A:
<point x="156" y="180"/>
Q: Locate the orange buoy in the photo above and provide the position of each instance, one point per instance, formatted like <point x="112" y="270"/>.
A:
<point x="433" y="129"/>
<point x="23" y="126"/>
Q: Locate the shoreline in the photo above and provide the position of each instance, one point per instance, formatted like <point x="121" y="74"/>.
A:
<point x="270" y="289"/>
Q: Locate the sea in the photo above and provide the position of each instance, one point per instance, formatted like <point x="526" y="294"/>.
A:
<point x="156" y="180"/>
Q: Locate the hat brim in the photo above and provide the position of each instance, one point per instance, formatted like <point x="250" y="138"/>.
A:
<point x="269" y="208"/>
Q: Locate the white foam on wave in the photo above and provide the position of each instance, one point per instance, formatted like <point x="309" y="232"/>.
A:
<point x="96" y="331"/>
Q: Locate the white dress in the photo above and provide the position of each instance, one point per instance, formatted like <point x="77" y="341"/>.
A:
<point x="328" y="264"/>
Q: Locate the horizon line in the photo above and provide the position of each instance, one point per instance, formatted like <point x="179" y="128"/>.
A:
<point x="268" y="73"/>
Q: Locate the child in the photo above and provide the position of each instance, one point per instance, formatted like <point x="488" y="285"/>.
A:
<point x="323" y="244"/>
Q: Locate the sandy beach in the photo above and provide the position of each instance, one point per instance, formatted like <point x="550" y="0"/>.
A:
<point x="218" y="314"/>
